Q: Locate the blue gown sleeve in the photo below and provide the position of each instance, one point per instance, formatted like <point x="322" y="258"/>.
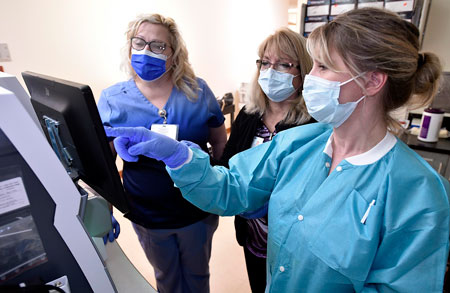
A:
<point x="246" y="186"/>
<point x="251" y="177"/>
<point x="413" y="250"/>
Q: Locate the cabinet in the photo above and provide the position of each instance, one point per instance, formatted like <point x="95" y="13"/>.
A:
<point x="438" y="161"/>
<point x="436" y="154"/>
<point x="313" y="13"/>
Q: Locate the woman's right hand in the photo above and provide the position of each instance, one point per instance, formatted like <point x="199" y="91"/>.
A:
<point x="130" y="142"/>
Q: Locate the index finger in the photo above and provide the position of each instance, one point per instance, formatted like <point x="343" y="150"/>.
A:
<point x="119" y="131"/>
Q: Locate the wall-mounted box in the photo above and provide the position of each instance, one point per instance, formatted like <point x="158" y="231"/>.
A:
<point x="318" y="2"/>
<point x="4" y="53"/>
<point x="370" y="3"/>
<point x="341" y="8"/>
<point x="317" y="7"/>
<point x="318" y="10"/>
<point x="399" y="6"/>
<point x="312" y="22"/>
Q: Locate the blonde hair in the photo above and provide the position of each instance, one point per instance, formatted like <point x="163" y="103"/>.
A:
<point x="183" y="76"/>
<point x="285" y="42"/>
<point x="371" y="39"/>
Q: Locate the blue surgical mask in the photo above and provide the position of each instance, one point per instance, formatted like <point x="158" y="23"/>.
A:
<point x="322" y="100"/>
<point x="148" y="65"/>
<point x="276" y="85"/>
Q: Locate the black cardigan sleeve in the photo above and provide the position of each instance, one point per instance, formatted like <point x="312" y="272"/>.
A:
<point x="242" y="132"/>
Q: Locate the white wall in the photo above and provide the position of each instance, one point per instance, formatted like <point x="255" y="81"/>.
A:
<point x="81" y="40"/>
<point x="437" y="32"/>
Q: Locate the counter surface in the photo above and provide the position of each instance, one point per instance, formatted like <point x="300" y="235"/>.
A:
<point x="441" y="146"/>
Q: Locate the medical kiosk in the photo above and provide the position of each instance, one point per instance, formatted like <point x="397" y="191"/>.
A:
<point x="53" y="211"/>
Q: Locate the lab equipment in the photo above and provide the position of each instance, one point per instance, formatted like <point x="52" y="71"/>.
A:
<point x="55" y="205"/>
<point x="68" y="115"/>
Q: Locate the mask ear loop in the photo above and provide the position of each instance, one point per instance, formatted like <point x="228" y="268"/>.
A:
<point x="351" y="79"/>
<point x="364" y="92"/>
<point x="301" y="83"/>
<point x="354" y="78"/>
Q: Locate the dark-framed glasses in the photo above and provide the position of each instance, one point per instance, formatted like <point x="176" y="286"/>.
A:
<point x="278" y="66"/>
<point x="154" y="46"/>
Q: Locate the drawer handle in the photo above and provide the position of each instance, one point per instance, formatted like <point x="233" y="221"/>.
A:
<point x="440" y="168"/>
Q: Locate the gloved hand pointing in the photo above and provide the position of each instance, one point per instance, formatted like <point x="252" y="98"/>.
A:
<point x="131" y="142"/>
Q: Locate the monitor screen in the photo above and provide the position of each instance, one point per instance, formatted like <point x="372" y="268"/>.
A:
<point x="442" y="98"/>
<point x="69" y="117"/>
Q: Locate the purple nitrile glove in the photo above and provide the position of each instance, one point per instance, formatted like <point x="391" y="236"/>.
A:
<point x="114" y="232"/>
<point x="259" y="213"/>
<point x="130" y="142"/>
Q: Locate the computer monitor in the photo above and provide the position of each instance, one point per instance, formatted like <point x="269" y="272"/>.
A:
<point x="69" y="117"/>
<point x="442" y="98"/>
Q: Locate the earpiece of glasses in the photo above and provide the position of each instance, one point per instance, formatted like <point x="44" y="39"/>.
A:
<point x="154" y="46"/>
<point x="279" y="66"/>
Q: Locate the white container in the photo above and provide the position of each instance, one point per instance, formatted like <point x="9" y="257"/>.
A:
<point x="430" y="125"/>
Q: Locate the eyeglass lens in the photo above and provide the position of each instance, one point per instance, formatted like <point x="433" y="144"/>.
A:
<point x="154" y="46"/>
<point x="279" y="66"/>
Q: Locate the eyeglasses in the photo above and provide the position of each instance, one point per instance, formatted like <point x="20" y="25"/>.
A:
<point x="155" y="46"/>
<point x="282" y="66"/>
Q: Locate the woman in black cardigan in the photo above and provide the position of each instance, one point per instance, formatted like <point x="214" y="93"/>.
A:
<point x="275" y="104"/>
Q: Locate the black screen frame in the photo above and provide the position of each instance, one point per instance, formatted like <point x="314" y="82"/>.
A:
<point x="81" y="131"/>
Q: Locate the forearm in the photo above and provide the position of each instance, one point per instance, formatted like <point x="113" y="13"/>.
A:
<point x="113" y="150"/>
<point x="217" y="149"/>
<point x="216" y="189"/>
<point x="217" y="139"/>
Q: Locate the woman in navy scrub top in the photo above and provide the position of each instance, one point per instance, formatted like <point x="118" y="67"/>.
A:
<point x="164" y="95"/>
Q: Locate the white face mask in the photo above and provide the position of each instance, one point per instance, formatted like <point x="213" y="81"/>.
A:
<point x="276" y="85"/>
<point x="322" y="100"/>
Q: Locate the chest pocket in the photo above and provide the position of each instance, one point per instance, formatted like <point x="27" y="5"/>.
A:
<point x="343" y="242"/>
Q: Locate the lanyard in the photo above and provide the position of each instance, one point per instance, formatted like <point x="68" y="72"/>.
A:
<point x="163" y="114"/>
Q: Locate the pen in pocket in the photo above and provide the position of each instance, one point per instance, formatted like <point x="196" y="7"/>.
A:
<point x="366" y="214"/>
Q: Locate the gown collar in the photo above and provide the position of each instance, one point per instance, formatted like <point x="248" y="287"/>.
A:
<point x="372" y="155"/>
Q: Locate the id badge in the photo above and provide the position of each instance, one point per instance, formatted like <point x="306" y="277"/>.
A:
<point x="257" y="141"/>
<point x="170" y="130"/>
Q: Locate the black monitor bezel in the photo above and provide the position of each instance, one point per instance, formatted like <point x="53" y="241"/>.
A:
<point x="82" y="129"/>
